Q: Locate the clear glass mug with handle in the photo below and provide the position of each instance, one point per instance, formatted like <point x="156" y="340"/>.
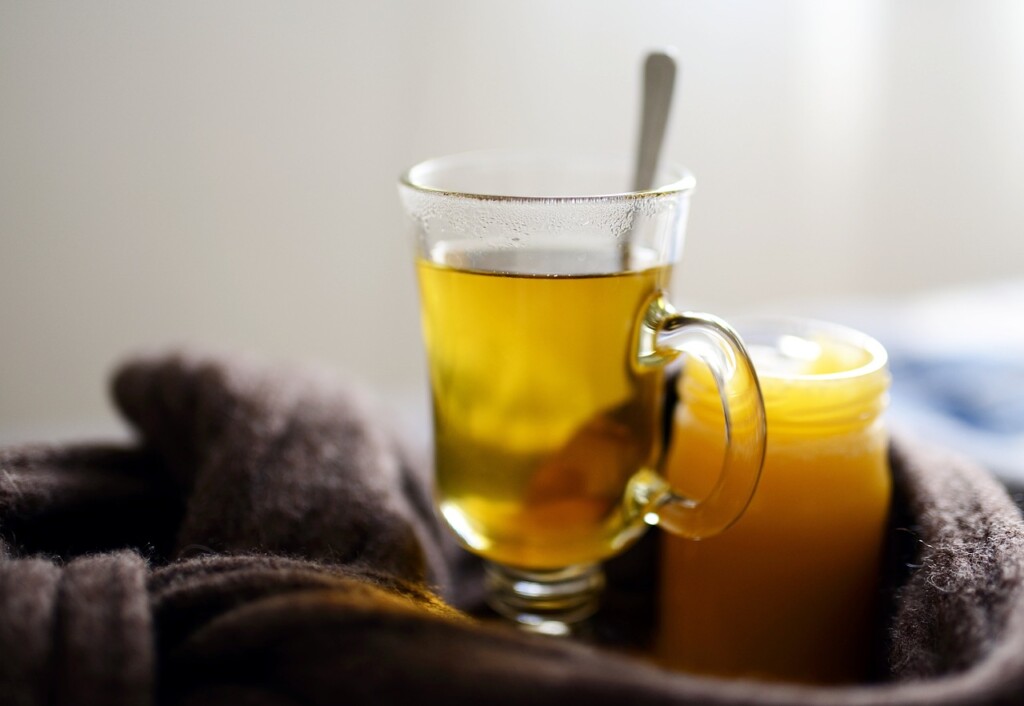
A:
<point x="548" y="329"/>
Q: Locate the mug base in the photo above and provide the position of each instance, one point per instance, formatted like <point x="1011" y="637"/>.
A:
<point x="550" y="602"/>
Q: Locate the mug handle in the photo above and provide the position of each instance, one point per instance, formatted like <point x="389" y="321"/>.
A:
<point x="665" y="334"/>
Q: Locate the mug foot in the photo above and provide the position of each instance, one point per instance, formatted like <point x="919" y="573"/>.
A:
<point x="550" y="602"/>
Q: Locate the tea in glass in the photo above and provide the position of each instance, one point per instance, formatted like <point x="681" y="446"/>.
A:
<point x="547" y="328"/>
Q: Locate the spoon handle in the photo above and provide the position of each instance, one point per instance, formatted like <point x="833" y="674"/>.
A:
<point x="659" y="81"/>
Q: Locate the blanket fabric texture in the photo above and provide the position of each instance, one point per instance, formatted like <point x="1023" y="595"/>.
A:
<point x="269" y="541"/>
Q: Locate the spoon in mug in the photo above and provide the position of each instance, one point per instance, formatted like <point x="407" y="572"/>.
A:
<point x="591" y="464"/>
<point x="659" y="82"/>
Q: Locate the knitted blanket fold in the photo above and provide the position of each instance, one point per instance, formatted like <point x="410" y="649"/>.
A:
<point x="269" y="540"/>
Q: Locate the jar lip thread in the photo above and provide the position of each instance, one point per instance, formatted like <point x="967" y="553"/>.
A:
<point x="849" y="412"/>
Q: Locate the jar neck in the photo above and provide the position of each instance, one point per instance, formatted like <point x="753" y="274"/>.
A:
<point x="798" y="403"/>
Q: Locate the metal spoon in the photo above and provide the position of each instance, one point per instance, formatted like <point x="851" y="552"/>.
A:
<point x="659" y="82"/>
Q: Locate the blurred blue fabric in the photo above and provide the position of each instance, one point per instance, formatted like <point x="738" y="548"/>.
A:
<point x="982" y="395"/>
<point x="971" y="404"/>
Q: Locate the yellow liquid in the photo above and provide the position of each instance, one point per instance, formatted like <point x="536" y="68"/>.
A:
<point x="788" y="592"/>
<point x="541" y="419"/>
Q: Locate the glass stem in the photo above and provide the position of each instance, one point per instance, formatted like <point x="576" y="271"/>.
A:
<point x="552" y="602"/>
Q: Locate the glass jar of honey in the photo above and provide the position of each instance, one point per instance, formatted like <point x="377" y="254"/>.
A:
<point x="789" y="591"/>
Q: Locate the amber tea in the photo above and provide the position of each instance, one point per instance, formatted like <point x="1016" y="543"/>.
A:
<point x="540" y="418"/>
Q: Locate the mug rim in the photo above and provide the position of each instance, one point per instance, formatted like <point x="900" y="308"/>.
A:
<point x="682" y="180"/>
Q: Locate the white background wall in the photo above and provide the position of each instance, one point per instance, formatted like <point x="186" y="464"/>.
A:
<point x="223" y="172"/>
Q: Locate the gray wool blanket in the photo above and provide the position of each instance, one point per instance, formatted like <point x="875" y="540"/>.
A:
<point x="269" y="541"/>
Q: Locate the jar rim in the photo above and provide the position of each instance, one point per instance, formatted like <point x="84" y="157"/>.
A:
<point x="759" y="328"/>
<point x="853" y="396"/>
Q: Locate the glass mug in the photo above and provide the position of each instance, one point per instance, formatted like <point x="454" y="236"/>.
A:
<point x="542" y="288"/>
